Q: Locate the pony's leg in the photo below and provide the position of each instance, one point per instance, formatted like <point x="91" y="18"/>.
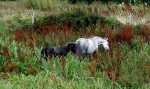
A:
<point x="94" y="56"/>
<point x="49" y="57"/>
<point x="79" y="54"/>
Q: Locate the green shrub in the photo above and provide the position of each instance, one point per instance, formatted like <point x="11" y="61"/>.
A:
<point x="105" y="1"/>
<point x="2" y="60"/>
<point x="79" y="20"/>
<point x="112" y="22"/>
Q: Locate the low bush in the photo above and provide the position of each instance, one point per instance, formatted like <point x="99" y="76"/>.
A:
<point x="80" y="20"/>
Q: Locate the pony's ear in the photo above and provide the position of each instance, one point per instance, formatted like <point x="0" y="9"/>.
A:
<point x="106" y="38"/>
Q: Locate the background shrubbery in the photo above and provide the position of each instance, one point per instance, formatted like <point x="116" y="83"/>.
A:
<point x="106" y="1"/>
<point x="50" y="4"/>
<point x="36" y="3"/>
<point x="77" y="19"/>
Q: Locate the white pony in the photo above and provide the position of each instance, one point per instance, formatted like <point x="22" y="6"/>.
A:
<point x="90" y="45"/>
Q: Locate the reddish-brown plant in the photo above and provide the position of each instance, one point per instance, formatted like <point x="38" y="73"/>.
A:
<point x="105" y="13"/>
<point x="67" y="28"/>
<point x="10" y="66"/>
<point x="147" y="66"/>
<point x="31" y="70"/>
<point x="5" y="52"/>
<point x="125" y="35"/>
<point x="145" y="32"/>
<point x="31" y="40"/>
<point x="22" y="34"/>
<point x="19" y="35"/>
<point x="111" y="74"/>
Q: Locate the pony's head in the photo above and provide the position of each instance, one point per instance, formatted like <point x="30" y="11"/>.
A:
<point x="103" y="41"/>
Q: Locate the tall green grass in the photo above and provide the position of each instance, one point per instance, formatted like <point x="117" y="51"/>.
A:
<point x="51" y="81"/>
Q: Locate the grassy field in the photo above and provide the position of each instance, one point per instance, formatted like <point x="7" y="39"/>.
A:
<point x="127" y="66"/>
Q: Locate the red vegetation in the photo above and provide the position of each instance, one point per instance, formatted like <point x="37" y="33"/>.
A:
<point x="27" y="36"/>
<point x="145" y="32"/>
<point x="19" y="35"/>
<point x="10" y="67"/>
<point x="109" y="33"/>
<point x="67" y="28"/>
<point x="125" y="35"/>
<point x="111" y="74"/>
<point x="147" y="66"/>
<point x="5" y="52"/>
<point x="31" y="70"/>
<point x="45" y="30"/>
<point x="31" y="41"/>
<point x="54" y="28"/>
<point x="105" y="13"/>
<point x="22" y="34"/>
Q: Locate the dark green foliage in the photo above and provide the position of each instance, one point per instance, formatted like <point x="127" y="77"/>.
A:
<point x="111" y="22"/>
<point x="79" y="1"/>
<point x="80" y="20"/>
<point x="2" y="59"/>
<point x="106" y="1"/>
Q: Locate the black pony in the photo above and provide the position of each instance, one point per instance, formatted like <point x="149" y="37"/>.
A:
<point x="59" y="51"/>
